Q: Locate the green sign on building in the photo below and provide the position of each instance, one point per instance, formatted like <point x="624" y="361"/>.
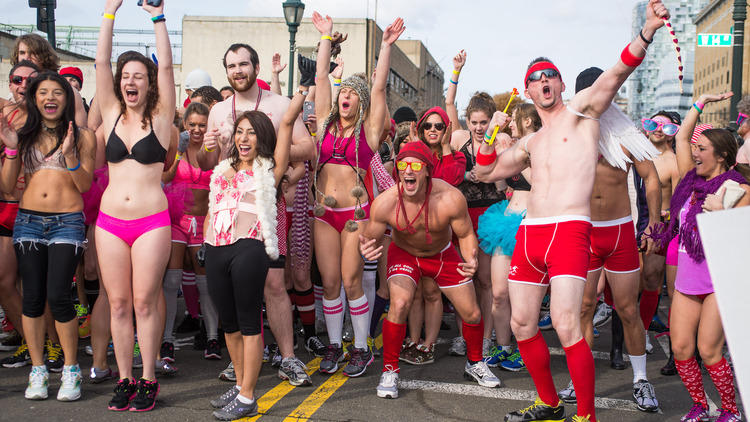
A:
<point x="714" y="40"/>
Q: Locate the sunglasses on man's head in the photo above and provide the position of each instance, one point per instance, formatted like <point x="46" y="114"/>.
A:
<point x="438" y="126"/>
<point x="669" y="129"/>
<point x="741" y="117"/>
<point x="18" y="80"/>
<point x="415" y="165"/>
<point x="549" y="73"/>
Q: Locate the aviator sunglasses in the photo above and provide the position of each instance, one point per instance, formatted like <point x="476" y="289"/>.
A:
<point x="415" y="165"/>
<point x="741" y="117"/>
<point x="549" y="73"/>
<point x="669" y="129"/>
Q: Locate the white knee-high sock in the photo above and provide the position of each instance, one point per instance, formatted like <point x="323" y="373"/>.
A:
<point x="172" y="282"/>
<point x="334" y="313"/>
<point x="369" y="276"/>
<point x="639" y="367"/>
<point x="360" y="312"/>
<point x="208" y="310"/>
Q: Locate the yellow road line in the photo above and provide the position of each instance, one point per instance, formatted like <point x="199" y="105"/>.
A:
<point x="313" y="402"/>
<point x="266" y="401"/>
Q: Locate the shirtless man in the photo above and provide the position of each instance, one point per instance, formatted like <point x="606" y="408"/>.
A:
<point x="553" y="241"/>
<point x="424" y="212"/>
<point x="242" y="67"/>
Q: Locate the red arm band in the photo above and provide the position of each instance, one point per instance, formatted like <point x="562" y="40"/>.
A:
<point x="486" y="159"/>
<point x="629" y="59"/>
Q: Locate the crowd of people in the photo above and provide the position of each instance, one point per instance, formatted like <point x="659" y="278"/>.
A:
<point x="260" y="209"/>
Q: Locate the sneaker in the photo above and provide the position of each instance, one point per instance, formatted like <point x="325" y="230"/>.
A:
<point x="669" y="368"/>
<point x="188" y="325"/>
<point x="359" y="361"/>
<point x="568" y="394"/>
<point x="81" y="311"/>
<point x="645" y="396"/>
<point x="124" y="393"/>
<point x="236" y="410"/>
<point x="213" y="350"/>
<point x="513" y="363"/>
<point x="371" y="345"/>
<point x="407" y="352"/>
<point x="165" y="368"/>
<point x="458" y="347"/>
<point x="333" y="356"/>
<point x="486" y="346"/>
<point x="167" y="351"/>
<point x="84" y="330"/>
<point x="388" y="386"/>
<point x="137" y="358"/>
<point x="545" y="321"/>
<point x="315" y="346"/>
<point x="276" y="358"/>
<point x="38" y="383"/>
<point x="727" y="416"/>
<point x="145" y="396"/>
<point x="294" y="371"/>
<point x="225" y="398"/>
<point x="421" y="355"/>
<point x="11" y="342"/>
<point x="90" y="350"/>
<point x="577" y="418"/>
<point x="70" y="386"/>
<point x="495" y="356"/>
<point x="482" y="374"/>
<point x="649" y="346"/>
<point x="55" y="358"/>
<point x="602" y="315"/>
<point x="656" y="325"/>
<point x="268" y="351"/>
<point x="538" y="411"/>
<point x="18" y="359"/>
<point x="100" y="375"/>
<point x="697" y="413"/>
<point x="228" y="373"/>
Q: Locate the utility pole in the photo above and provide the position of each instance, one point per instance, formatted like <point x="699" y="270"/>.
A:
<point x="739" y="16"/>
<point x="45" y="18"/>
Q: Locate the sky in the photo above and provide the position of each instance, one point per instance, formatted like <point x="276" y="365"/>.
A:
<point x="499" y="36"/>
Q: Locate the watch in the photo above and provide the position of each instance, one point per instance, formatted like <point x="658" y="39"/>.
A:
<point x="304" y="93"/>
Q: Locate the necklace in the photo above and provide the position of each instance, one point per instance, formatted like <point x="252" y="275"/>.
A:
<point x="51" y="130"/>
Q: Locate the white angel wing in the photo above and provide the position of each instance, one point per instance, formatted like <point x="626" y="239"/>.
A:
<point x="615" y="130"/>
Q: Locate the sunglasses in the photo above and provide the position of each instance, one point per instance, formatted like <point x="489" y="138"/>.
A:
<point x="741" y="118"/>
<point x="549" y="73"/>
<point x="669" y="129"/>
<point x="18" y="80"/>
<point x="437" y="126"/>
<point x="415" y="165"/>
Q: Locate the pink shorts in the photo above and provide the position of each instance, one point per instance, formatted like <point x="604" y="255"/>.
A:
<point x="441" y="267"/>
<point x="613" y="246"/>
<point x="189" y="230"/>
<point x="337" y="217"/>
<point x="551" y="247"/>
<point x="672" y="251"/>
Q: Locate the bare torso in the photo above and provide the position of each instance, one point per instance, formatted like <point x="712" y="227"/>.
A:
<point x="609" y="197"/>
<point x="666" y="168"/>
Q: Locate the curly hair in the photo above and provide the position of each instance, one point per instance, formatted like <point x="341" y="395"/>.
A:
<point x="481" y="101"/>
<point x="265" y="136"/>
<point x="40" y="49"/>
<point x="152" y="95"/>
<point x="208" y="93"/>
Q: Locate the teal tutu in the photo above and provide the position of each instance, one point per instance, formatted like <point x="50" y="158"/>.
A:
<point x="497" y="229"/>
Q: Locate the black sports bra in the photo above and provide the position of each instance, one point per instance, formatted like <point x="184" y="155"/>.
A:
<point x="518" y="182"/>
<point x="148" y="150"/>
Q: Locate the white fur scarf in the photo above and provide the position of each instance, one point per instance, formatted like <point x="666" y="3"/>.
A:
<point x="265" y="200"/>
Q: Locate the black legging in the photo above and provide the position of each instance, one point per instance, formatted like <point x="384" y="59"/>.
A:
<point x="236" y="277"/>
<point x="47" y="274"/>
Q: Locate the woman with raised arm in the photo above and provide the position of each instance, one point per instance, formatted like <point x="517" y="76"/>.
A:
<point x="348" y="137"/>
<point x="133" y="228"/>
<point x="242" y="240"/>
<point x="57" y="160"/>
<point x="705" y="167"/>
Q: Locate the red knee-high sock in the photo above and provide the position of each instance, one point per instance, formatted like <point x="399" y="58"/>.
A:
<point x="190" y="293"/>
<point x="393" y="338"/>
<point x="690" y="373"/>
<point x="649" y="302"/>
<point x="608" y="295"/>
<point x="723" y="378"/>
<point x="535" y="355"/>
<point x="473" y="334"/>
<point x="581" y="368"/>
<point x="305" y="303"/>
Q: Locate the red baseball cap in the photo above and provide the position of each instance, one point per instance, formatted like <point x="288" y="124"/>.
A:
<point x="74" y="72"/>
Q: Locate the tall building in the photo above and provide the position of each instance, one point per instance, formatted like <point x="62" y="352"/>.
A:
<point x="654" y="85"/>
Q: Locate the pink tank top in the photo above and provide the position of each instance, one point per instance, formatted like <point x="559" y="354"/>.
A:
<point x="693" y="277"/>
<point x="339" y="150"/>
<point x="195" y="178"/>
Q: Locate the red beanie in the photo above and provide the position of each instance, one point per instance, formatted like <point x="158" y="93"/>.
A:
<point x="74" y="72"/>
<point x="418" y="150"/>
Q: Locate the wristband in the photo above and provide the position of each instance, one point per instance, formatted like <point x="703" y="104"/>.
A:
<point x="336" y="84"/>
<point x="698" y="108"/>
<point x="456" y="72"/>
<point x="76" y="167"/>
<point x="486" y="159"/>
<point x="10" y="152"/>
<point x="487" y="136"/>
<point x="644" y="38"/>
<point x="208" y="150"/>
<point x="108" y="16"/>
<point x="326" y="37"/>
<point x="160" y="18"/>
<point x="178" y="157"/>
<point x="313" y="134"/>
<point x="629" y="58"/>
<point x="700" y="105"/>
<point x="453" y="82"/>
<point x="337" y="81"/>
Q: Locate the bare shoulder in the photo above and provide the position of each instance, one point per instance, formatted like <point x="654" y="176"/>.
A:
<point x="384" y="204"/>
<point x="448" y="196"/>
<point x="220" y="109"/>
<point x="459" y="138"/>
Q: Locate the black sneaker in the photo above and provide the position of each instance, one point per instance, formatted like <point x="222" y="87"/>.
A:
<point x="188" y="325"/>
<point x="124" y="392"/>
<point x="167" y="352"/>
<point x="538" y="411"/>
<point x="359" y="361"/>
<point x="315" y="346"/>
<point x="55" y="358"/>
<point x="11" y="342"/>
<point x="213" y="350"/>
<point x="236" y="410"/>
<point x="145" y="396"/>
<point x="18" y="359"/>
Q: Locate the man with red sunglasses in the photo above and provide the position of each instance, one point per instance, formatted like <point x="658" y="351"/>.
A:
<point x="553" y="241"/>
<point x="743" y="129"/>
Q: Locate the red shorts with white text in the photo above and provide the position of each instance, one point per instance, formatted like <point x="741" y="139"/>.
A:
<point x="613" y="246"/>
<point x="441" y="267"/>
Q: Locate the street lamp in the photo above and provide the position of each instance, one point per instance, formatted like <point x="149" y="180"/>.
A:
<point x="293" y="10"/>
<point x="739" y="16"/>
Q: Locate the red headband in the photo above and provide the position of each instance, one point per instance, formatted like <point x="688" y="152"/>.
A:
<point x="539" y="66"/>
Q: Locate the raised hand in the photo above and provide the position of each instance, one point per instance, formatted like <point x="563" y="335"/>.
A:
<point x="413" y="137"/>
<point x="459" y="60"/>
<point x="323" y="25"/>
<point x="67" y="144"/>
<point x="153" y="11"/>
<point x="393" y="31"/>
<point x="656" y="12"/>
<point x="498" y="119"/>
<point x="338" y="71"/>
<point x="712" y="98"/>
<point x="468" y="268"/>
<point x="8" y="135"/>
<point x="111" y="6"/>
<point x="276" y="66"/>
<point x="368" y="250"/>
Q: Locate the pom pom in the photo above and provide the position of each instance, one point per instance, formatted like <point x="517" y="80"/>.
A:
<point x="357" y="192"/>
<point x="351" y="226"/>
<point x="329" y="201"/>
<point x="359" y="213"/>
<point x="318" y="210"/>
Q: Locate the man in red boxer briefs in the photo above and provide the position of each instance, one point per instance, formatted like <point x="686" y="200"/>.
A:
<point x="553" y="241"/>
<point x="423" y="213"/>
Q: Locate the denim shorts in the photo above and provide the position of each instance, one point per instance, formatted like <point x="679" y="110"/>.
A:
<point x="49" y="228"/>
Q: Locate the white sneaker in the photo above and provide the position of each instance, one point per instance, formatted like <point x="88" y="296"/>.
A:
<point x="482" y="374"/>
<point x="388" y="386"/>
<point x="649" y="346"/>
<point x="38" y="383"/>
<point x="70" y="389"/>
<point x="603" y="314"/>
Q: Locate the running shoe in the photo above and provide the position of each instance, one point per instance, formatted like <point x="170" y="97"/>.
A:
<point x="38" y="383"/>
<point x="70" y="386"/>
<point x="55" y="358"/>
<point x="645" y="396"/>
<point x="727" y="416"/>
<point x="188" y="324"/>
<point x="538" y="411"/>
<point x="236" y="410"/>
<point x="545" y="321"/>
<point x="388" y="386"/>
<point x="656" y="325"/>
<point x="333" y="356"/>
<point x="225" y="398"/>
<point x="213" y="350"/>
<point x="84" y="330"/>
<point x="315" y="346"/>
<point x="669" y="368"/>
<point x="568" y="394"/>
<point x="359" y="361"/>
<point x="697" y="413"/>
<point x="482" y="374"/>
<point x="100" y="375"/>
<point x="167" y="351"/>
<point x="11" y="342"/>
<point x="276" y="358"/>
<point x="137" y="358"/>
<point x="602" y="315"/>
<point x="371" y="345"/>
<point x="228" y="373"/>
<point x="165" y="368"/>
<point x="145" y="396"/>
<point x="513" y="363"/>
<point x="18" y="359"/>
<point x="268" y="351"/>
<point x="81" y="311"/>
<point x="420" y="355"/>
<point x="124" y="393"/>
<point x="458" y="347"/>
<point x="294" y="371"/>
<point x="407" y="352"/>
<point x="495" y="356"/>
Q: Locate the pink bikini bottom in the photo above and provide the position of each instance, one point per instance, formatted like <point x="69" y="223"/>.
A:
<point x="130" y="230"/>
